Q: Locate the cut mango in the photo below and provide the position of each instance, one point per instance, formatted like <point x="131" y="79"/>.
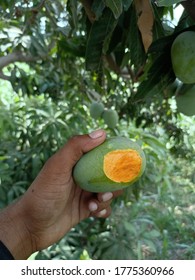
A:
<point x="114" y="165"/>
<point x="122" y="166"/>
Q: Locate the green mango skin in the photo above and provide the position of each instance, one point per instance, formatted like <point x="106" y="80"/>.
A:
<point x="96" y="110"/>
<point x="186" y="102"/>
<point x="111" y="118"/>
<point x="88" y="172"/>
<point x="183" y="57"/>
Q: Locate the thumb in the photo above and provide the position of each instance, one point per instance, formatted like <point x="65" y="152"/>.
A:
<point x="76" y="146"/>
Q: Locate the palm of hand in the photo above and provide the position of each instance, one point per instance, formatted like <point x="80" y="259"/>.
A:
<point x="54" y="207"/>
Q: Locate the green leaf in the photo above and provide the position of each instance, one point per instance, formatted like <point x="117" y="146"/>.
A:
<point x="115" y="6"/>
<point x="152" y="234"/>
<point x="158" y="29"/>
<point x="98" y="34"/>
<point x="107" y="41"/>
<point x="3" y="194"/>
<point x="134" y="41"/>
<point x="98" y="7"/>
<point x="35" y="42"/>
<point x="72" y="8"/>
<point x="164" y="44"/>
<point x="126" y="4"/>
<point x="185" y="23"/>
<point x="166" y="3"/>
<point x="71" y="46"/>
<point x="161" y="44"/>
<point x="130" y="228"/>
<point x="160" y="73"/>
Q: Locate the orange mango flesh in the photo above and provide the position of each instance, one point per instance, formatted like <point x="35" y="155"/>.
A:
<point x="122" y="165"/>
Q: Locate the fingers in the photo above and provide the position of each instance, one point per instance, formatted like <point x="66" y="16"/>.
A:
<point x="78" y="145"/>
<point x="63" y="161"/>
<point x="73" y="150"/>
<point x="100" y="205"/>
<point x="104" y="213"/>
<point x="108" y="195"/>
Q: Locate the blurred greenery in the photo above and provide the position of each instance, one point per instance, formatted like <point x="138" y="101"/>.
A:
<point x="154" y="219"/>
<point x="52" y="67"/>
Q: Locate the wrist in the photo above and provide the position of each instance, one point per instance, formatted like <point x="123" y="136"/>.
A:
<point x="13" y="232"/>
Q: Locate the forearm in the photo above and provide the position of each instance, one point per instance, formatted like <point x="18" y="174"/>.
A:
<point x="13" y="232"/>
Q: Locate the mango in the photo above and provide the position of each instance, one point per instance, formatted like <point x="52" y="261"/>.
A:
<point x="115" y="164"/>
<point x="96" y="110"/>
<point x="183" y="57"/>
<point x="110" y="118"/>
<point x="186" y="102"/>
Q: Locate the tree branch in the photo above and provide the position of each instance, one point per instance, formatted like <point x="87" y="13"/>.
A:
<point x="5" y="77"/>
<point x="11" y="58"/>
<point x="15" y="57"/>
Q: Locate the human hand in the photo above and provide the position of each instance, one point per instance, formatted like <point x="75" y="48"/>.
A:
<point x="53" y="204"/>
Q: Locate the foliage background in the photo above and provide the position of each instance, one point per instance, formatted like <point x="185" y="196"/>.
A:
<point x="52" y="66"/>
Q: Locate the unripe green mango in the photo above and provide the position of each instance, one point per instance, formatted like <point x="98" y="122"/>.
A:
<point x="183" y="57"/>
<point x="96" y="110"/>
<point x="186" y="102"/>
<point x="89" y="172"/>
<point x="110" y="117"/>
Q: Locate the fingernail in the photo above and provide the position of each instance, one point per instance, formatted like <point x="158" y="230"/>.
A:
<point x="96" y="134"/>
<point x="107" y="196"/>
<point x="102" y="213"/>
<point x="93" y="206"/>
